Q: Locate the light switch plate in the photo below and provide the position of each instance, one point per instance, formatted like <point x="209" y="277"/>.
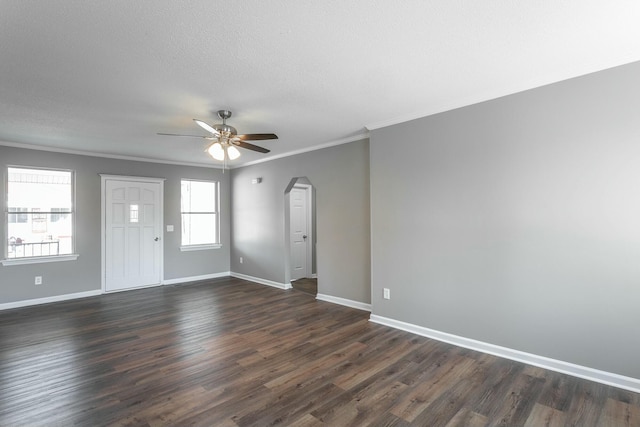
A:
<point x="169" y="228"/>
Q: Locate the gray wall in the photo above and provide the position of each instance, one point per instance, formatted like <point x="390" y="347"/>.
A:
<point x="517" y="221"/>
<point x="340" y="176"/>
<point x="17" y="282"/>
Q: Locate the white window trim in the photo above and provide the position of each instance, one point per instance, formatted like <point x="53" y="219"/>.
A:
<point x="42" y="259"/>
<point x="39" y="259"/>
<point x="189" y="248"/>
<point x="206" y="246"/>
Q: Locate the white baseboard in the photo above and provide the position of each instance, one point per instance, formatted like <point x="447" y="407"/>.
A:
<point x="261" y="281"/>
<point x="196" y="278"/>
<point x="56" y="298"/>
<point x="343" y="301"/>
<point x="608" y="378"/>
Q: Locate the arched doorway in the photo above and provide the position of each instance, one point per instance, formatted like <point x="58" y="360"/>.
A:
<point x="300" y="235"/>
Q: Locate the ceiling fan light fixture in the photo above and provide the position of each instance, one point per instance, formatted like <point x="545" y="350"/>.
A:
<point x="225" y="139"/>
<point x="216" y="151"/>
<point x="233" y="152"/>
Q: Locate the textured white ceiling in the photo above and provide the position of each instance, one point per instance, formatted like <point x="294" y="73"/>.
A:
<point x="106" y="76"/>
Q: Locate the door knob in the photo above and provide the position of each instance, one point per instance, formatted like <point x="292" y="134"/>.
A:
<point x="304" y="236"/>
<point x="156" y="239"/>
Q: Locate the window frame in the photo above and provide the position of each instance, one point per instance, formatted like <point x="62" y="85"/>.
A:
<point x="6" y="261"/>
<point x="202" y="246"/>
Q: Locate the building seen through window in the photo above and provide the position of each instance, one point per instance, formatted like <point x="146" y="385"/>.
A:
<point x="199" y="211"/>
<point x="39" y="217"/>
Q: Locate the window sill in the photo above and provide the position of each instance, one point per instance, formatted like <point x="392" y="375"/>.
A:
<point x="38" y="260"/>
<point x="200" y="247"/>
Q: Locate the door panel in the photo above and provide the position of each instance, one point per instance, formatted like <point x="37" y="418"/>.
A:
<point x="298" y="233"/>
<point x="132" y="231"/>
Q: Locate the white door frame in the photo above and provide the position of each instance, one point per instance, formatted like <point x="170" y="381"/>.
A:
<point x="308" y="190"/>
<point x="103" y="220"/>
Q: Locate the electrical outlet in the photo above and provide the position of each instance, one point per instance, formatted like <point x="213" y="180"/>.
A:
<point x="386" y="293"/>
<point x="241" y="260"/>
<point x="38" y="280"/>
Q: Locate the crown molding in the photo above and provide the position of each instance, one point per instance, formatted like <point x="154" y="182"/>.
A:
<point x="105" y="155"/>
<point x="341" y="141"/>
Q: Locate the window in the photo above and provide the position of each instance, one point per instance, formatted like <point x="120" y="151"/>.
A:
<point x="38" y="221"/>
<point x="133" y="213"/>
<point x="19" y="216"/>
<point x="39" y="217"/>
<point x="58" y="214"/>
<point x="199" y="211"/>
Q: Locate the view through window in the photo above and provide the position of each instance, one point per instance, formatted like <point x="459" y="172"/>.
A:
<point x="40" y="213"/>
<point x="199" y="200"/>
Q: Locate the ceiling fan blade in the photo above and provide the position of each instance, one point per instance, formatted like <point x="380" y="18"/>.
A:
<point x="206" y="127"/>
<point x="251" y="147"/>
<point x="190" y="136"/>
<point x="257" y="136"/>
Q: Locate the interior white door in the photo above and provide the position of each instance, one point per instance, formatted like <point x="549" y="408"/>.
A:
<point x="298" y="232"/>
<point x="132" y="234"/>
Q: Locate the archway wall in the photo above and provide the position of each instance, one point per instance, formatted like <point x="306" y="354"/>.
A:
<point x="340" y="176"/>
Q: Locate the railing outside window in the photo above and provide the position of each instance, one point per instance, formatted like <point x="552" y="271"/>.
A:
<point x="35" y="249"/>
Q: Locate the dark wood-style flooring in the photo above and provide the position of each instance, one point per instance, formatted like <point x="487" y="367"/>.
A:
<point x="306" y="285"/>
<point x="232" y="353"/>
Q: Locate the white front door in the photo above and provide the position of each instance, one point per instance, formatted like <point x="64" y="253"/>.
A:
<point x="299" y="232"/>
<point x="132" y="234"/>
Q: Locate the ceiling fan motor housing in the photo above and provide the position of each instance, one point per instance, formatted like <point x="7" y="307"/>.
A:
<point x="224" y="128"/>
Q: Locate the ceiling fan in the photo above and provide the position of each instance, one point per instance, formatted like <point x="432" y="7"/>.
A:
<point x="225" y="138"/>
